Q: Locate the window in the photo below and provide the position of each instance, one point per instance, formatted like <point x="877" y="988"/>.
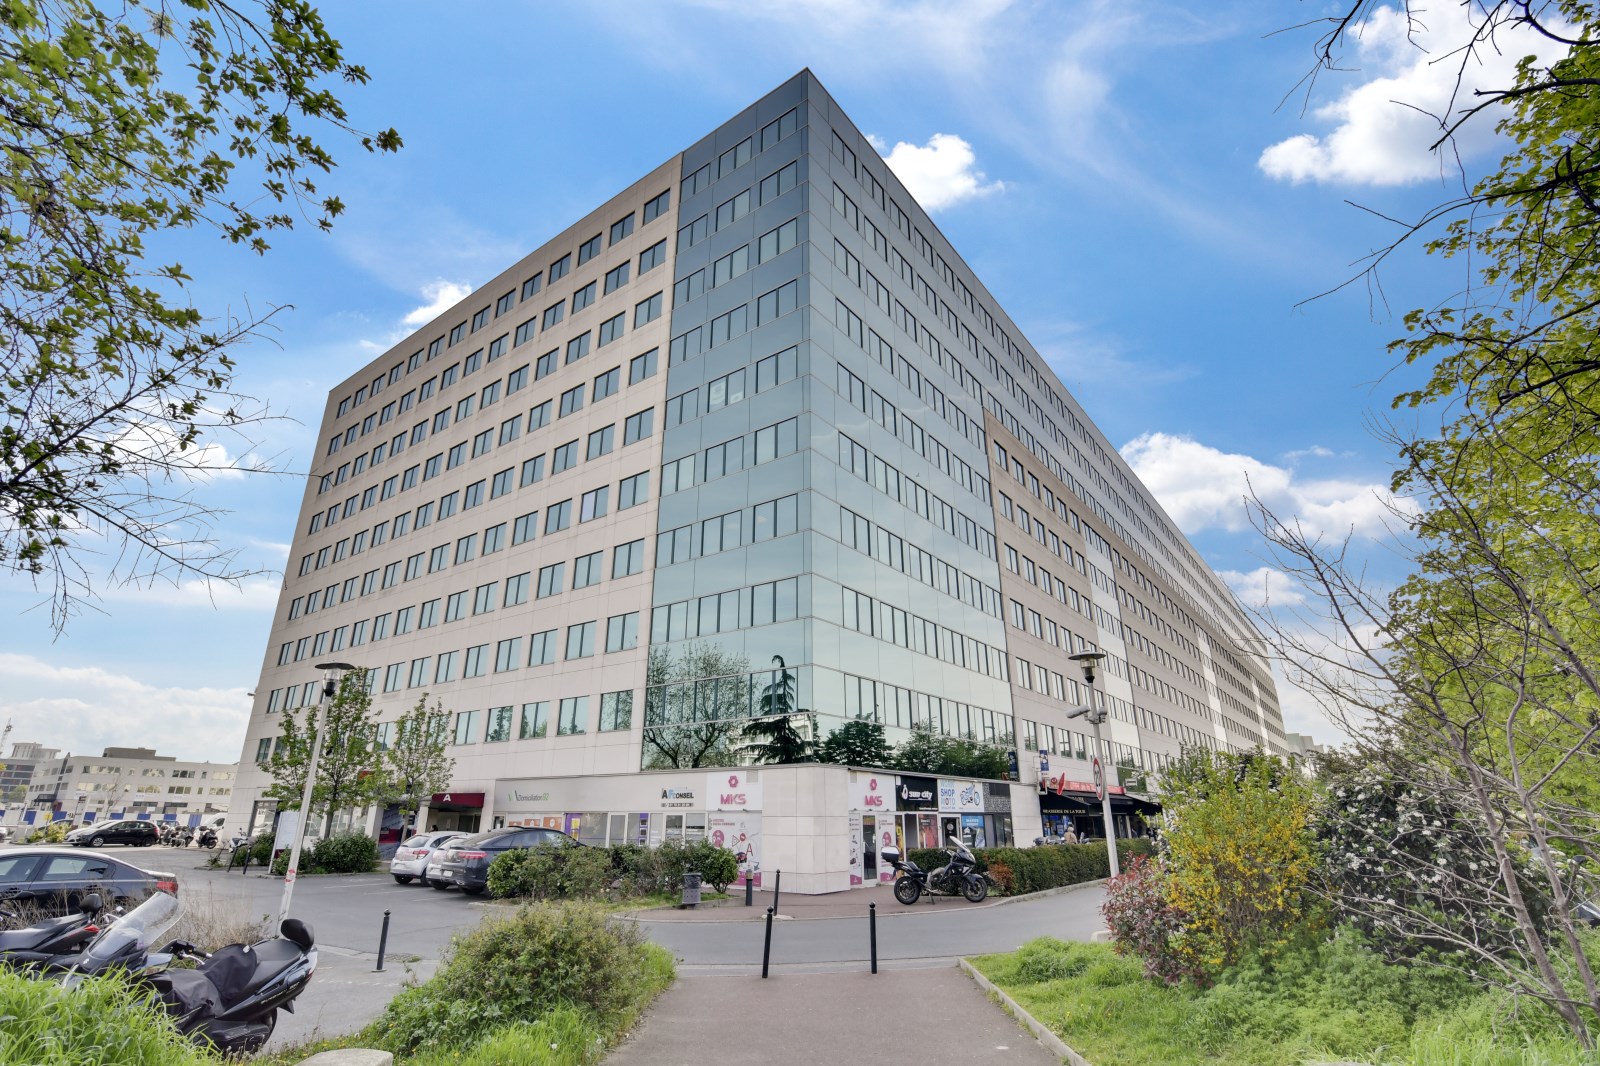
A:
<point x="606" y="384"/>
<point x="573" y="714"/>
<point x="482" y="442"/>
<point x="677" y="475"/>
<point x="586" y="570"/>
<point x="652" y="257"/>
<point x="544" y="366"/>
<point x="616" y="278"/>
<point x="775" y="518"/>
<point x="446" y="670"/>
<point x="730" y="266"/>
<point x="560" y="268"/>
<point x="542" y="648"/>
<point x="483" y="597"/>
<point x="447" y="504"/>
<point x="510" y="429"/>
<point x="694" y="233"/>
<point x="577" y="348"/>
<point x="419" y="672"/>
<point x="565" y="457"/>
<point x="554" y="313"/>
<point x="414" y="566"/>
<point x="517" y="380"/>
<point x="612" y="329"/>
<point x="778" y="302"/>
<point x="657" y="206"/>
<point x="588" y="249"/>
<point x="776" y="440"/>
<point x="439" y="558"/>
<point x="539" y="417"/>
<point x="524" y="528"/>
<point x="458" y="455"/>
<point x="494" y="538"/>
<point x="638" y="426"/>
<point x="735" y="157"/>
<point x="524" y="333"/>
<point x="504" y="304"/>
<point x="532" y="471"/>
<point x="535" y="720"/>
<point x="571" y="401"/>
<point x="627" y="559"/>
<point x="507" y="657"/>
<point x="601" y="442"/>
<point x="647" y="310"/>
<point x="621" y="228"/>
<point x="455" y="606"/>
<point x="580" y="640"/>
<point x="552" y="580"/>
<point x="777" y="241"/>
<point x="516" y="591"/>
<point x="583" y="297"/>
<point x="502" y="484"/>
<point x="466" y="548"/>
<point x="477" y="663"/>
<point x="428" y="614"/>
<point x="732" y="210"/>
<point x="642" y="366"/>
<point x="622" y="632"/>
<point x="532" y="285"/>
<point x="633" y="491"/>
<point x="594" y="504"/>
<point x="557" y="516"/>
<point x="467" y="726"/>
<point x="480" y="320"/>
<point x="616" y="710"/>
<point x="779" y="181"/>
<point x="499" y="717"/>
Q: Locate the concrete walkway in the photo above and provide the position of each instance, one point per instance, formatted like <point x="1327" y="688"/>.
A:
<point x="895" y="1015"/>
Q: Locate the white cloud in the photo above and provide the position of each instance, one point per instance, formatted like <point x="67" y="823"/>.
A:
<point x="1383" y="127"/>
<point x="1204" y="488"/>
<point x="85" y="709"/>
<point x="1264" y="587"/>
<point x="441" y="296"/>
<point x="251" y="594"/>
<point x="939" y="174"/>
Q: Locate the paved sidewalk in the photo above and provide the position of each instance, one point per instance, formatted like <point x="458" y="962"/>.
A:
<point x="851" y="903"/>
<point x="906" y="1015"/>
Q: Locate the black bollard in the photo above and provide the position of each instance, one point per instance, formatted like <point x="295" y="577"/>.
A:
<point x="383" y="942"/>
<point x="777" y="883"/>
<point x="749" y="890"/>
<point x="872" y="933"/>
<point x="766" y="950"/>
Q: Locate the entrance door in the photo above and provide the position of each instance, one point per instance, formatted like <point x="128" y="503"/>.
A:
<point x="869" y="850"/>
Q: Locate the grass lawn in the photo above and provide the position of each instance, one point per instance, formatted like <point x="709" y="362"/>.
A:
<point x="1326" y="1003"/>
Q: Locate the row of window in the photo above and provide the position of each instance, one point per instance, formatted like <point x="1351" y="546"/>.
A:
<point x="887" y="479"/>
<point x="749" y="525"/>
<point x="731" y="456"/>
<point x="915" y="562"/>
<point x="735" y="322"/>
<point x="532" y="722"/>
<point x="894" y="625"/>
<point x="725" y="612"/>
<point x="909" y="432"/>
<point x="892" y="705"/>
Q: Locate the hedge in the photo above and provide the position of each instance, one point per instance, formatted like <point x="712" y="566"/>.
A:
<point x="1017" y="871"/>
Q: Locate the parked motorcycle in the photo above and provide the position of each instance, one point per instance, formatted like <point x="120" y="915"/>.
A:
<point x="33" y="946"/>
<point x="208" y="837"/>
<point x="230" y="999"/>
<point x="958" y="877"/>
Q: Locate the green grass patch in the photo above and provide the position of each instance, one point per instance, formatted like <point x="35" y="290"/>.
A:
<point x="1325" y="1001"/>
<point x="101" y="1022"/>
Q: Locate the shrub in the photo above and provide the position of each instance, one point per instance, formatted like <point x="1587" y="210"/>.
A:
<point x="716" y="866"/>
<point x="100" y="1022"/>
<point x="585" y="873"/>
<point x="519" y="968"/>
<point x="261" y="850"/>
<point x="54" y="833"/>
<point x="1143" y="923"/>
<point x="344" y="853"/>
<point x="1039" y="868"/>
<point x="1048" y="959"/>
<point x="561" y="1038"/>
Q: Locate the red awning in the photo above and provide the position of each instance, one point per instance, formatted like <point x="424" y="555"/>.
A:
<point x="449" y="801"/>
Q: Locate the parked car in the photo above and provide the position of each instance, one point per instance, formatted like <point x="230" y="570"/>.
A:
<point x="411" y="857"/>
<point x="466" y="863"/>
<point x="129" y="831"/>
<point x="49" y="881"/>
<point x="5" y="834"/>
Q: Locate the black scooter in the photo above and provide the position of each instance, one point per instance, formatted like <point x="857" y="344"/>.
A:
<point x="958" y="877"/>
<point x="230" y="1000"/>
<point x="34" y="946"/>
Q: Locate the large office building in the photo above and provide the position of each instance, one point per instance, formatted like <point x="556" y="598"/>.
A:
<point x="749" y="438"/>
<point x="125" y="783"/>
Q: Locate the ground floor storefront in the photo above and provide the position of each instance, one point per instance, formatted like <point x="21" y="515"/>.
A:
<point x="824" y="827"/>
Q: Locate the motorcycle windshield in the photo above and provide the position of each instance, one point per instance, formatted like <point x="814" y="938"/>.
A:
<point x="137" y="930"/>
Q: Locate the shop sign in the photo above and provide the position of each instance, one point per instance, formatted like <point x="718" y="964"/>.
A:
<point x="457" y="799"/>
<point x="872" y="793"/>
<point x="958" y="796"/>
<point x="1060" y="783"/>
<point x="917" y="793"/>
<point x="527" y="795"/>
<point x="996" y="798"/>
<point x="732" y="790"/>
<point x="675" y="797"/>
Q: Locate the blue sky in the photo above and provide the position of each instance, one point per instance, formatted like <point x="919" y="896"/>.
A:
<point x="1138" y="184"/>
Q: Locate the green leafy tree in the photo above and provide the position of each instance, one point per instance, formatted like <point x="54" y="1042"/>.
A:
<point x="415" y="765"/>
<point x="858" y="742"/>
<point x="348" y="773"/>
<point x="697" y="700"/>
<point x="777" y="735"/>
<point x="120" y="124"/>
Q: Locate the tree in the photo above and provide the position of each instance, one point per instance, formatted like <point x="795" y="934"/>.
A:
<point x="696" y="702"/>
<point x="349" y="774"/>
<point x="927" y="751"/>
<point x="858" y="742"/>
<point x="120" y="124"/>
<point x="415" y="765"/>
<point x="773" y="737"/>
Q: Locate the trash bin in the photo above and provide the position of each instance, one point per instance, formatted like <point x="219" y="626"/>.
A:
<point x="691" y="889"/>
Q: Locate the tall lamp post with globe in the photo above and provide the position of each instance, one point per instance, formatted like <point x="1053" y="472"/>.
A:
<point x="1096" y="716"/>
<point x="331" y="673"/>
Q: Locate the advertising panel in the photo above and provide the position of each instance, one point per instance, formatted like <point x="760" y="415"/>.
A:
<point x="996" y="798"/>
<point x="917" y="793"/>
<point x="870" y="792"/>
<point x="959" y="797"/>
<point x="740" y="833"/>
<point x="855" y="849"/>
<point x="886" y="839"/>
<point x="732" y="790"/>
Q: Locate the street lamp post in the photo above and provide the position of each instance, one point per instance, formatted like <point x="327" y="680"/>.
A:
<point x="1096" y="716"/>
<point x="330" y="685"/>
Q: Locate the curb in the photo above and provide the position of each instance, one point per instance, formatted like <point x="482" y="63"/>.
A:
<point x="1040" y="1033"/>
<point x="760" y="915"/>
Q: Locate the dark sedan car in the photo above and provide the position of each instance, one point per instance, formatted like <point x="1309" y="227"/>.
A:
<point x="129" y="831"/>
<point x="47" y="881"/>
<point x="466" y="864"/>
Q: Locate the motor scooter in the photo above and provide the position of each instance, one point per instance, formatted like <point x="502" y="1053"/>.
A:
<point x="958" y="877"/>
<point x="30" y="947"/>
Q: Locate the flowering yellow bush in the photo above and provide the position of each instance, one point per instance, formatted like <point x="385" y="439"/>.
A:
<point x="1238" y="859"/>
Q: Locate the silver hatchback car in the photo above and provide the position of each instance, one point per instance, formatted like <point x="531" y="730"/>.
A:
<point x="411" y="859"/>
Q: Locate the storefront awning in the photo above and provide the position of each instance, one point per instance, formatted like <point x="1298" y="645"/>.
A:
<point x="456" y="801"/>
<point x="1073" y="801"/>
